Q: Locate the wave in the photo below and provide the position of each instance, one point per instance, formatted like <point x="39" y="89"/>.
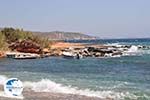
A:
<point x="137" y="50"/>
<point x="133" y="48"/>
<point x="130" y="50"/>
<point x="46" y="85"/>
<point x="114" y="44"/>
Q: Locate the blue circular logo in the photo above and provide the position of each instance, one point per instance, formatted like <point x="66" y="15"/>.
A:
<point x="13" y="87"/>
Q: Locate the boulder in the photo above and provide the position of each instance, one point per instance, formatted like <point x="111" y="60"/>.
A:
<point x="98" y="54"/>
<point x="26" y="46"/>
<point x="117" y="53"/>
<point x="2" y="54"/>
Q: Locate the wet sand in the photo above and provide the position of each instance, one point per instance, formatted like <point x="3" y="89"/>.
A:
<point x="31" y="95"/>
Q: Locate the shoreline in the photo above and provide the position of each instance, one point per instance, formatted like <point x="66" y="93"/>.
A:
<point x="77" y="50"/>
<point x="29" y="94"/>
<point x="56" y="49"/>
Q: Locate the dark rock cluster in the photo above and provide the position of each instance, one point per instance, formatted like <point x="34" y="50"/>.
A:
<point x="26" y="46"/>
<point x="96" y="52"/>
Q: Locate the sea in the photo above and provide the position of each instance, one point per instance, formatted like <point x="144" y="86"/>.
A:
<point x="118" y="78"/>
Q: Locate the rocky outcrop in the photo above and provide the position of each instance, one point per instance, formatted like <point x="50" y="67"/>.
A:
<point x="26" y="46"/>
<point x="2" y="54"/>
<point x="98" y="51"/>
<point x="101" y="50"/>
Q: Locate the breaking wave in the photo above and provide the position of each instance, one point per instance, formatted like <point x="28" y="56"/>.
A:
<point x="46" y="85"/>
<point x="133" y="49"/>
<point x="130" y="50"/>
<point x="138" y="50"/>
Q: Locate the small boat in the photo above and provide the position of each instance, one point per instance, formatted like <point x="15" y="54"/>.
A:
<point x="71" y="55"/>
<point x="68" y="55"/>
<point x="18" y="55"/>
<point x="10" y="54"/>
<point x="25" y="56"/>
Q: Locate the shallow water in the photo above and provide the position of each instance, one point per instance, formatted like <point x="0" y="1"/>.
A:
<point x="124" y="78"/>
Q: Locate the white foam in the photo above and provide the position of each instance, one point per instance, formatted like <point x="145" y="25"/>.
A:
<point x="145" y="51"/>
<point x="133" y="49"/>
<point x="46" y="85"/>
<point x="2" y="79"/>
<point x="114" y="44"/>
<point x="2" y="94"/>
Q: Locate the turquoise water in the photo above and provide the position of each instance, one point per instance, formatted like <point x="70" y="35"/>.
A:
<point x="121" y="78"/>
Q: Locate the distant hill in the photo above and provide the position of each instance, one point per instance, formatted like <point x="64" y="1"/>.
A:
<point x="58" y="35"/>
<point x="1" y="29"/>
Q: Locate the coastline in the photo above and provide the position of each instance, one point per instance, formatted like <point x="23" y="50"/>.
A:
<point x="116" y="66"/>
<point x="56" y="49"/>
<point x="76" y="50"/>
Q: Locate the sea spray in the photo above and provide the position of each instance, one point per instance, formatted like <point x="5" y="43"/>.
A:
<point x="46" y="85"/>
<point x="133" y="49"/>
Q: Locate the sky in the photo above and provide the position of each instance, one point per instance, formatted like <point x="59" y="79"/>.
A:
<point x="102" y="18"/>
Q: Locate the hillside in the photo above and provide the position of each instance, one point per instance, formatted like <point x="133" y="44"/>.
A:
<point x="57" y="35"/>
<point x="1" y="29"/>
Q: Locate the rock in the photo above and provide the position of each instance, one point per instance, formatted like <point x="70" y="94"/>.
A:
<point x="98" y="54"/>
<point x="46" y="50"/>
<point x="56" y="52"/>
<point x="26" y="46"/>
<point x="92" y="49"/>
<point x="127" y="46"/>
<point x="106" y="51"/>
<point x="117" y="53"/>
<point x="2" y="54"/>
<point x="101" y="50"/>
